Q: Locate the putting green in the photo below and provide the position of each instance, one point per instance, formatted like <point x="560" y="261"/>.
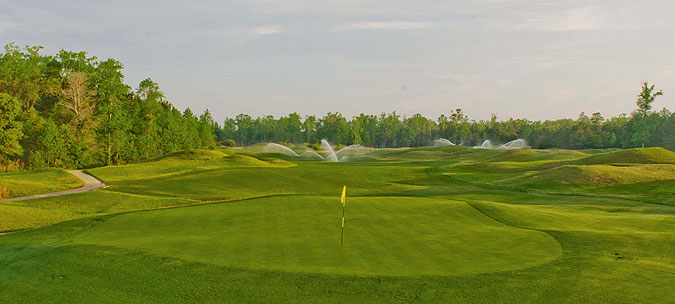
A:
<point x="396" y="236"/>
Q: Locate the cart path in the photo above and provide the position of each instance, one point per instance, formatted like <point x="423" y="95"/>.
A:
<point x="90" y="184"/>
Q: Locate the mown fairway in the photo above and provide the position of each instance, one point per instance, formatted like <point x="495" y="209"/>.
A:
<point x="447" y="224"/>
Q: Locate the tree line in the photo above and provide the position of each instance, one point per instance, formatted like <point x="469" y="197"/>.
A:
<point x="391" y="130"/>
<point x="74" y="110"/>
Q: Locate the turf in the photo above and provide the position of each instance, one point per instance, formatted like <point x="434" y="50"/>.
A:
<point x="184" y="162"/>
<point x="298" y="234"/>
<point x="637" y="155"/>
<point x="601" y="175"/>
<point x="446" y="224"/>
<point x="24" y="183"/>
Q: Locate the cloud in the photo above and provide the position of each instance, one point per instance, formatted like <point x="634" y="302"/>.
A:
<point x="577" y="19"/>
<point x="243" y="35"/>
<point x="384" y="26"/>
<point x="266" y="30"/>
<point x="583" y="19"/>
<point x="458" y="78"/>
<point x="4" y="25"/>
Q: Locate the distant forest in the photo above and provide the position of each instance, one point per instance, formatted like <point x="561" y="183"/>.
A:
<point x="392" y="130"/>
<point x="73" y="110"/>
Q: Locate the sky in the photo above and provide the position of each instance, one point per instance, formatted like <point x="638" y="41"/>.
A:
<point x="534" y="59"/>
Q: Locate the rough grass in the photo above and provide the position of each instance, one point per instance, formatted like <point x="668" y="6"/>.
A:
<point x="600" y="175"/>
<point x="314" y="178"/>
<point x="517" y="155"/>
<point x="182" y="162"/>
<point x="197" y="183"/>
<point x="590" y="218"/>
<point x="197" y="154"/>
<point x="527" y="155"/>
<point x="23" y="183"/>
<point x="446" y="153"/>
<point x="37" y="213"/>
<point x="640" y="174"/>
<point x="631" y="156"/>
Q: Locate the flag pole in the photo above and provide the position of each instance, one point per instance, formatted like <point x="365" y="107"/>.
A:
<point x="342" y="234"/>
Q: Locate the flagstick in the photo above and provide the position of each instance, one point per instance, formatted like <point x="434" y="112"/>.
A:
<point x="342" y="199"/>
<point x="342" y="235"/>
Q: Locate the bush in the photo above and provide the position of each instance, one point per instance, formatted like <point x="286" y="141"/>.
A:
<point x="315" y="147"/>
<point x="229" y="143"/>
<point x="4" y="193"/>
<point x="7" y="165"/>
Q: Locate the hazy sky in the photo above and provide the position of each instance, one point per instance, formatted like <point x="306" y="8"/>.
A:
<point x="523" y="59"/>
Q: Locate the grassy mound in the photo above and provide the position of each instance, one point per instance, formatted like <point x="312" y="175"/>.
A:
<point x="185" y="161"/>
<point x="320" y="178"/>
<point x="516" y="155"/>
<point x="24" y="183"/>
<point x="198" y="154"/>
<point x="602" y="175"/>
<point x="631" y="156"/>
<point x="453" y="153"/>
<point x="540" y="156"/>
<point x="241" y="160"/>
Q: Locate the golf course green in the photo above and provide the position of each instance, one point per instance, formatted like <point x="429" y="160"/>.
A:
<point x="432" y="224"/>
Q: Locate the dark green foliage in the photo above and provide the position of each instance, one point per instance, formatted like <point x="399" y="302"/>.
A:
<point x="99" y="120"/>
<point x="72" y="110"/>
<point x="392" y="131"/>
<point x="10" y="126"/>
<point x="229" y="143"/>
<point x="55" y="147"/>
<point x="656" y="129"/>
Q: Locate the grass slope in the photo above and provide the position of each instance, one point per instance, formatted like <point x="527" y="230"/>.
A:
<point x="24" y="183"/>
<point x="631" y="156"/>
<point x="439" y="225"/>
<point x="527" y="155"/>
<point x="639" y="174"/>
<point x="600" y="175"/>
<point x="36" y="213"/>
<point x="183" y="162"/>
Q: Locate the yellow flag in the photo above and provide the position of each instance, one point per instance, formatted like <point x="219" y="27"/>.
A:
<point x="344" y="192"/>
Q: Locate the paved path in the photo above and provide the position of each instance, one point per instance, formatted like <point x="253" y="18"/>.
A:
<point x="90" y="184"/>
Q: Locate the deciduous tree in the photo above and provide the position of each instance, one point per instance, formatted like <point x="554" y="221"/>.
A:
<point x="644" y="103"/>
